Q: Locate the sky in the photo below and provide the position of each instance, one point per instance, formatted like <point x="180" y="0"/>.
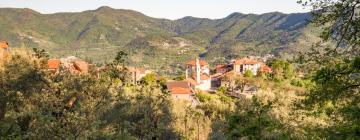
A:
<point x="170" y="9"/>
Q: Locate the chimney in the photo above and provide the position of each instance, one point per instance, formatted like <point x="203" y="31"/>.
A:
<point x="197" y="65"/>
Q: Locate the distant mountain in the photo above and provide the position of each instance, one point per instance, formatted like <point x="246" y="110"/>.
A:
<point x="157" y="43"/>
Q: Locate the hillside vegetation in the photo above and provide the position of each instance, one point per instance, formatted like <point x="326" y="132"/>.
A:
<point x="98" y="34"/>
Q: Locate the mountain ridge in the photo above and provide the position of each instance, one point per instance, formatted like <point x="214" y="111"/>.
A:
<point x="98" y="34"/>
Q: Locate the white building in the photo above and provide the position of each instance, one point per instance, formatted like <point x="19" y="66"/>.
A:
<point x="198" y="74"/>
<point x="243" y="64"/>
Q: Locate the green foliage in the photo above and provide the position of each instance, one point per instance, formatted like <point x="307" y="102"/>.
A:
<point x="40" y="53"/>
<point x="162" y="44"/>
<point x="336" y="89"/>
<point x="337" y="83"/>
<point x="253" y="122"/>
<point x="340" y="21"/>
<point x="120" y="58"/>
<point x="180" y="78"/>
<point x="146" y="115"/>
<point x="248" y="73"/>
<point x="302" y="83"/>
<point x="42" y="105"/>
<point x="282" y="69"/>
<point x="203" y="97"/>
<point x="36" y="104"/>
<point x="221" y="90"/>
<point x="149" y="79"/>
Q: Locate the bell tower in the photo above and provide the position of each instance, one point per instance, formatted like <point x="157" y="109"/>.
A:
<point x="197" y="69"/>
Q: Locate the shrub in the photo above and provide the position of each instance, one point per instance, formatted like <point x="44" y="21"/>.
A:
<point x="203" y="97"/>
<point x="248" y="73"/>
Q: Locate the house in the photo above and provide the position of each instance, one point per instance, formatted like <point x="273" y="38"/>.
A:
<point x="223" y="68"/>
<point x="75" y="65"/>
<point x="54" y="65"/>
<point x="4" y="50"/>
<point x="71" y="64"/>
<point x="81" y="66"/>
<point x="138" y="73"/>
<point x="198" y="74"/>
<point x="216" y="79"/>
<point x="265" y="68"/>
<point x="237" y="68"/>
<point x="243" y="64"/>
<point x="180" y="90"/>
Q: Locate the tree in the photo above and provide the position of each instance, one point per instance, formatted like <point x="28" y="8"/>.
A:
<point x="120" y="58"/>
<point x="340" y="21"/>
<point x="248" y="73"/>
<point x="118" y="70"/>
<point x="336" y="87"/>
<point x="37" y="104"/>
<point x="21" y="78"/>
<point x="72" y="108"/>
<point x="282" y="69"/>
<point x="145" y="113"/>
<point x="149" y="79"/>
<point x="40" y="53"/>
<point x="241" y="83"/>
<point x="253" y="120"/>
<point x="222" y="90"/>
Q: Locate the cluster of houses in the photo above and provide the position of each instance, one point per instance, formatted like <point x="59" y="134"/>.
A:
<point x="76" y="65"/>
<point x="198" y="76"/>
<point x="73" y="64"/>
<point x="197" y="73"/>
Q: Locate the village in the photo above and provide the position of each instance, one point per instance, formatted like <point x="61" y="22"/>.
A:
<point x="198" y="76"/>
<point x="180" y="70"/>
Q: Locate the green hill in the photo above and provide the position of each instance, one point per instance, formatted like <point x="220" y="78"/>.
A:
<point x="157" y="43"/>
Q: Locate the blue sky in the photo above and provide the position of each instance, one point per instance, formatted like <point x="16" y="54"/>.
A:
<point x="171" y="9"/>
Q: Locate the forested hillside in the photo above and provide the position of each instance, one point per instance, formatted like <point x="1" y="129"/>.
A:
<point x="98" y="34"/>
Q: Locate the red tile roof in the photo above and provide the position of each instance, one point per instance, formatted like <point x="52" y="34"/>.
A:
<point x="53" y="63"/>
<point x="172" y="84"/>
<point x="246" y="61"/>
<point x="264" y="68"/>
<point x="224" y="68"/>
<point x="180" y="90"/>
<point x="217" y="75"/>
<point x="4" y="44"/>
<point x="81" y="66"/>
<point x="179" y="87"/>
<point x="193" y="62"/>
<point x="221" y="66"/>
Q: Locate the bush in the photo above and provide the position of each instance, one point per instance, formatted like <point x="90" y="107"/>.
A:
<point x="296" y="82"/>
<point x="203" y="97"/>
<point x="221" y="90"/>
<point x="248" y="73"/>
